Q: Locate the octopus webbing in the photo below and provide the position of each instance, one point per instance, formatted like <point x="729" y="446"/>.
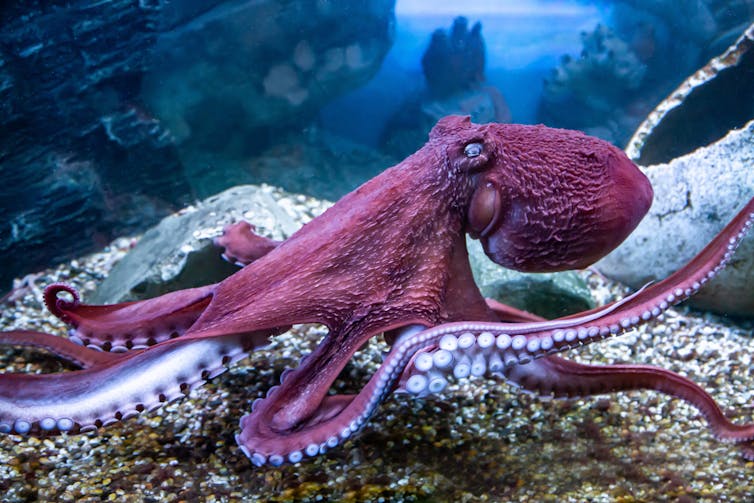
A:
<point x="387" y="259"/>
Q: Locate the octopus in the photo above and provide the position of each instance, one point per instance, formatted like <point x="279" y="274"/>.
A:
<point x="389" y="259"/>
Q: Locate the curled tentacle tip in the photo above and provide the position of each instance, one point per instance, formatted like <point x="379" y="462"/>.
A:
<point x="55" y="304"/>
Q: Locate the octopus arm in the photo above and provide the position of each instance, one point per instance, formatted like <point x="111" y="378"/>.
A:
<point x="561" y="378"/>
<point x="59" y="346"/>
<point x="128" y="325"/>
<point x="297" y="419"/>
<point x="242" y="245"/>
<point x="113" y="389"/>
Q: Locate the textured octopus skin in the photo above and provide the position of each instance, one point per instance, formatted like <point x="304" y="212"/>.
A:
<point x="389" y="258"/>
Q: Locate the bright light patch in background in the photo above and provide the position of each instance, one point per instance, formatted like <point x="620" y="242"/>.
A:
<point x="524" y="40"/>
<point x="493" y="7"/>
<point x="517" y="33"/>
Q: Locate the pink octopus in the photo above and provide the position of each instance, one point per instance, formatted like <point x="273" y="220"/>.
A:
<point x="388" y="258"/>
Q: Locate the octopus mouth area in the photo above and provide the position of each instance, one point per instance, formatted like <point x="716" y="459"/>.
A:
<point x="330" y="407"/>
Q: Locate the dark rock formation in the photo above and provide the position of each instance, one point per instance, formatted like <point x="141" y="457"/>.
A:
<point x="591" y="92"/>
<point x="318" y="164"/>
<point x="707" y="25"/>
<point x="99" y="100"/>
<point x="221" y="81"/>
<point x="81" y="160"/>
<point x="454" y="60"/>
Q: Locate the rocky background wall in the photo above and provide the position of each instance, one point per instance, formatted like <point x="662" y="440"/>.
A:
<point x="104" y="106"/>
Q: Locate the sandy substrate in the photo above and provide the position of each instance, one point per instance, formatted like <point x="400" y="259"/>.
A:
<point x="479" y="441"/>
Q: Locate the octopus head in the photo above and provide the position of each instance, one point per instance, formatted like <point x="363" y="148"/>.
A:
<point x="545" y="199"/>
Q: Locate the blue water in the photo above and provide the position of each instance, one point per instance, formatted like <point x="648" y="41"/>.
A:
<point x="525" y="41"/>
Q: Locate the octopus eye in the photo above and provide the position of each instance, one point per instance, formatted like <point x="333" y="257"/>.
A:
<point x="473" y="150"/>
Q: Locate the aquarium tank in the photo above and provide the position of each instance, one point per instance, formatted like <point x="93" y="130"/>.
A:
<point x="377" y="250"/>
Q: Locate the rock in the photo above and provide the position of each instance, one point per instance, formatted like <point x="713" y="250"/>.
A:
<point x="695" y="197"/>
<point x="318" y="164"/>
<point x="454" y="60"/>
<point x="77" y="153"/>
<point x="706" y="23"/>
<point x="624" y="71"/>
<point x="594" y="92"/>
<point x="97" y="97"/>
<point x="550" y="294"/>
<point x="315" y="162"/>
<point x="453" y="66"/>
<point x="715" y="99"/>
<point x="244" y="67"/>
<point x="179" y="252"/>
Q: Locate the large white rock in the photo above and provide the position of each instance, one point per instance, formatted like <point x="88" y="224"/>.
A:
<point x="695" y="197"/>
